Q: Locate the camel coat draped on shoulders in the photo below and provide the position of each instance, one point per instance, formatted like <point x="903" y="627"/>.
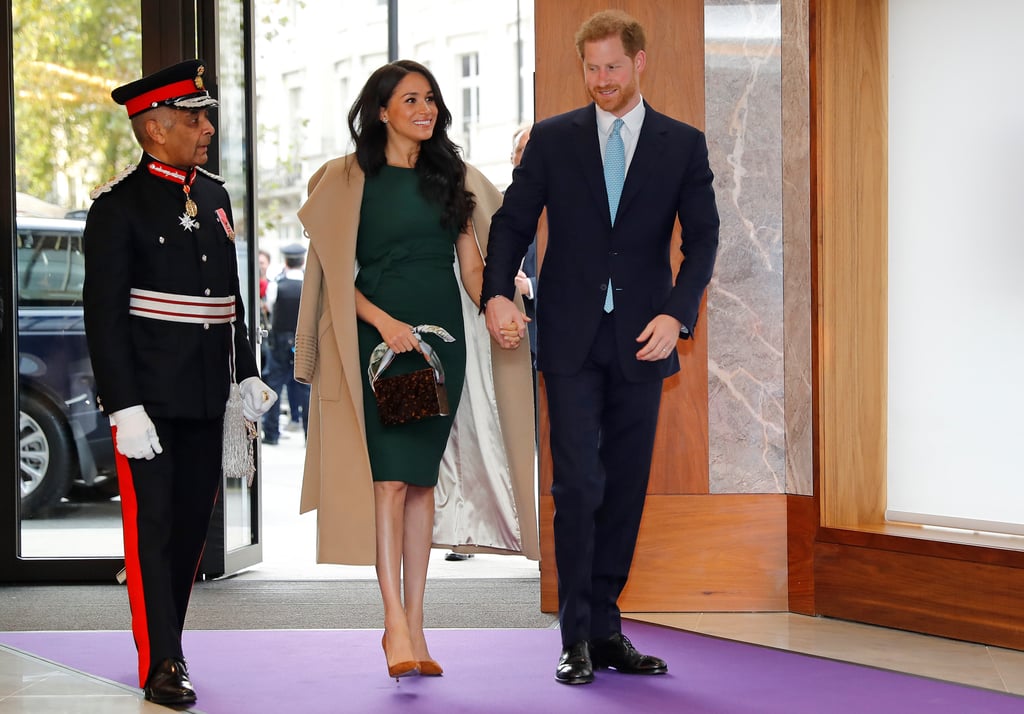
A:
<point x="486" y="496"/>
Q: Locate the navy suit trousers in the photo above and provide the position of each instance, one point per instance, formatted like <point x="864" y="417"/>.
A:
<point x="602" y="441"/>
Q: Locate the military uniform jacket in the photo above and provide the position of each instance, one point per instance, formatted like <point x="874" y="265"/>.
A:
<point x="137" y="236"/>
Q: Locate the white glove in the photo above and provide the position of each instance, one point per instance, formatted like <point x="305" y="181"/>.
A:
<point x="257" y="397"/>
<point x="136" y="434"/>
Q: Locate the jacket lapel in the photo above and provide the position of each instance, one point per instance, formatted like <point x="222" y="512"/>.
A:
<point x="338" y="191"/>
<point x="588" y="151"/>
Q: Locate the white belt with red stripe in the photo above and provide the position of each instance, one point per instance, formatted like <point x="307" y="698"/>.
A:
<point x="181" y="308"/>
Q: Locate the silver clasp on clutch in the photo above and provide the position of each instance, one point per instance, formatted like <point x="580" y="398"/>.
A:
<point x="382" y="355"/>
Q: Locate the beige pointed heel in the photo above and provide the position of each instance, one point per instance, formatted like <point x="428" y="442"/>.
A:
<point x="429" y="668"/>
<point x="404" y="668"/>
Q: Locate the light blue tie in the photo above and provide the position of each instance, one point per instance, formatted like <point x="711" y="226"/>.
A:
<point x="614" y="177"/>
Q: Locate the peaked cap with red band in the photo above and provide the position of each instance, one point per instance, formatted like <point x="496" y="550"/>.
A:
<point x="180" y="85"/>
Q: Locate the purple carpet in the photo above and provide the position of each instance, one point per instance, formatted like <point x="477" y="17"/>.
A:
<point x="497" y="671"/>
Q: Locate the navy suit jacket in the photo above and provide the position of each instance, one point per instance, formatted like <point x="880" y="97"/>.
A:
<point x="668" y="178"/>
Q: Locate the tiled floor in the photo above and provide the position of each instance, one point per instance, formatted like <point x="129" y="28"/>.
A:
<point x="29" y="685"/>
<point x="948" y="660"/>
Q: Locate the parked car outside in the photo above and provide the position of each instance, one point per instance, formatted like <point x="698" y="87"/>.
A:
<point x="65" y="441"/>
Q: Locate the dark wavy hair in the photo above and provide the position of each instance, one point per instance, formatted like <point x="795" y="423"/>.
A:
<point x="439" y="166"/>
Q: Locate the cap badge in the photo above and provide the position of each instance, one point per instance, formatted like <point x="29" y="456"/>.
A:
<point x="199" y="78"/>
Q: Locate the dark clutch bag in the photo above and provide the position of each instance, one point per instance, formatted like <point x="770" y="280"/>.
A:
<point x="409" y="397"/>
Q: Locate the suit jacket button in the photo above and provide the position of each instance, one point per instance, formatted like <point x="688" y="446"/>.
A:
<point x="206" y="325"/>
<point x="604" y="287"/>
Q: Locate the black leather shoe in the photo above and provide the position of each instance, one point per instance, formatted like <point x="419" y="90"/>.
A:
<point x="574" y="665"/>
<point x="169" y="684"/>
<point x="618" y="652"/>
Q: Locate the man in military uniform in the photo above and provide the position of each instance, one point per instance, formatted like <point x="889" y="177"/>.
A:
<point x="283" y="295"/>
<point x="165" y="324"/>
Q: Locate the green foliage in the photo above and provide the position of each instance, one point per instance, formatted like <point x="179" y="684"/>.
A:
<point x="68" y="56"/>
<point x="274" y="17"/>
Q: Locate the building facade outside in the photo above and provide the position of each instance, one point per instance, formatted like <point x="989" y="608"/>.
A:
<point x="313" y="57"/>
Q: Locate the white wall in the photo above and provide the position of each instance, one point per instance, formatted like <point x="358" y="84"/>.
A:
<point x="956" y="264"/>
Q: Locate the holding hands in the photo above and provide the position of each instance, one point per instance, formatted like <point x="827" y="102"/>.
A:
<point x="510" y="335"/>
<point x="505" y="322"/>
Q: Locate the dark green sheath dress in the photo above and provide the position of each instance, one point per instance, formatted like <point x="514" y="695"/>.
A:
<point x="406" y="261"/>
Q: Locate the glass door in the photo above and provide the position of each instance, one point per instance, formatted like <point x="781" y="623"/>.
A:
<point x="60" y="515"/>
<point x="68" y="136"/>
<point x="234" y="540"/>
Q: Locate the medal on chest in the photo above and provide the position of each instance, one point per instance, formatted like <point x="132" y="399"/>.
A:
<point x="187" y="220"/>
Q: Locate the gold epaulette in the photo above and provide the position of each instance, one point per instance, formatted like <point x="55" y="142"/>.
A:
<point x="104" y="188"/>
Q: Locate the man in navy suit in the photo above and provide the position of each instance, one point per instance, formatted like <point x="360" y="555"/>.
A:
<point x="609" y="319"/>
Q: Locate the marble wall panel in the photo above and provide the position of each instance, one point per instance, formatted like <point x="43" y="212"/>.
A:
<point x="746" y="360"/>
<point x="796" y="211"/>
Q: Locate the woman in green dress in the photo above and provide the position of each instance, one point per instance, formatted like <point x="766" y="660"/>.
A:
<point x="414" y="221"/>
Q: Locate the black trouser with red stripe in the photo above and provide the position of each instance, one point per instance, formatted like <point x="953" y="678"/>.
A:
<point x="166" y="504"/>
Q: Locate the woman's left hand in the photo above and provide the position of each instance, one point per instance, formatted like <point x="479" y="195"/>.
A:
<point x="510" y="337"/>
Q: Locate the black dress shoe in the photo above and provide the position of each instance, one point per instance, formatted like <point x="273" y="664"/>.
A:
<point x="169" y="684"/>
<point x="453" y="556"/>
<point x="574" y="665"/>
<point x="618" y="652"/>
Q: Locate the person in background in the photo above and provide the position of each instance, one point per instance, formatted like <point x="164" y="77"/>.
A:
<point x="165" y="324"/>
<point x="614" y="176"/>
<point x="405" y="207"/>
<point x="526" y="277"/>
<point x="283" y="294"/>
<point x="263" y="261"/>
<point x="263" y="258"/>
